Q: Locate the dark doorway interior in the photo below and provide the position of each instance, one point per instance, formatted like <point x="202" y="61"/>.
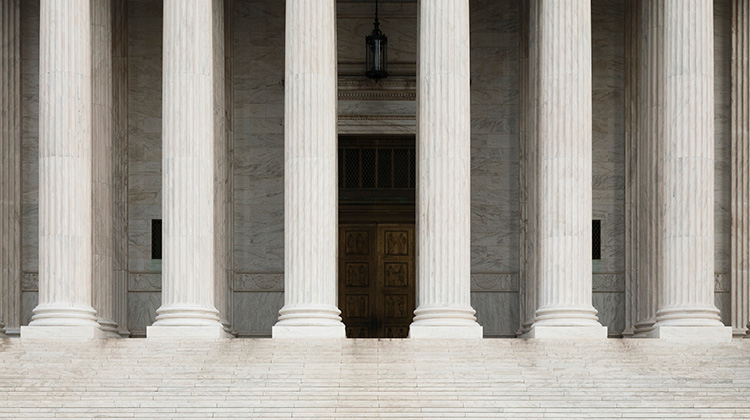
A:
<point x="377" y="247"/>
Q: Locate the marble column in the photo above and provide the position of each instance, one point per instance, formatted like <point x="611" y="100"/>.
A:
<point x="528" y="171"/>
<point x="443" y="174"/>
<point x="189" y="170"/>
<point x="649" y="173"/>
<point x="686" y="159"/>
<point x="220" y="177"/>
<point x="562" y="55"/>
<point x="65" y="177"/>
<point x="740" y="234"/>
<point x="310" y="185"/>
<point x="229" y="126"/>
<point x="102" y="148"/>
<point x="632" y="85"/>
<point x="10" y="163"/>
<point x="120" y="160"/>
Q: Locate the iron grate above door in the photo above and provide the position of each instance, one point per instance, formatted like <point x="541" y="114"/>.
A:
<point x="377" y="168"/>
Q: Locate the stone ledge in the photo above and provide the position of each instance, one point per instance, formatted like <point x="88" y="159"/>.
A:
<point x="78" y="332"/>
<point x="186" y="333"/>
<point x="550" y="332"/>
<point x="687" y="333"/>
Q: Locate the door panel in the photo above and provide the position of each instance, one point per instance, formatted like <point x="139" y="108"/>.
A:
<point x="376" y="279"/>
<point x="357" y="244"/>
<point x="395" y="279"/>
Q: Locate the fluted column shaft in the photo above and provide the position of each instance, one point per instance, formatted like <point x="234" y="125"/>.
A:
<point x="529" y="171"/>
<point x="563" y="54"/>
<point x="10" y="164"/>
<point x="443" y="173"/>
<point x="220" y="179"/>
<point x="65" y="178"/>
<point x="740" y="150"/>
<point x="310" y="187"/>
<point x="686" y="157"/>
<point x="189" y="171"/>
<point x="102" y="149"/>
<point x="227" y="316"/>
<point x="650" y="132"/>
<point x="120" y="161"/>
<point x="632" y="108"/>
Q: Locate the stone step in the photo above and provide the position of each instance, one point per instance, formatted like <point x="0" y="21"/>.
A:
<point x="346" y="379"/>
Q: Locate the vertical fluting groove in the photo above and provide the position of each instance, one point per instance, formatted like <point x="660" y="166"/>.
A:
<point x="443" y="171"/>
<point x="648" y="170"/>
<point x="10" y="164"/>
<point x="220" y="165"/>
<point x="188" y="164"/>
<point x="740" y="152"/>
<point x="310" y="187"/>
<point x="120" y="161"/>
<point x="65" y="166"/>
<point x="561" y="62"/>
<point x="103" y="239"/>
<point x="632" y="108"/>
<point x="686" y="159"/>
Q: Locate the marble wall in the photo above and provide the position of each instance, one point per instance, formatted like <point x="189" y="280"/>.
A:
<point x="144" y="159"/>
<point x="608" y="163"/>
<point x="29" y="156"/>
<point x="258" y="94"/>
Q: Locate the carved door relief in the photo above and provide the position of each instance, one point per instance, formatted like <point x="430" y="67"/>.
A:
<point x="377" y="279"/>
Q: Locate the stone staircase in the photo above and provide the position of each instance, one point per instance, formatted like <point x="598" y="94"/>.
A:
<point x="398" y="379"/>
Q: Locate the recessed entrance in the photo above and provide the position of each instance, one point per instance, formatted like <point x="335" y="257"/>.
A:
<point x="377" y="247"/>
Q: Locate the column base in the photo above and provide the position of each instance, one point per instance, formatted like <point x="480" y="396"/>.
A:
<point x="475" y="331"/>
<point x="61" y="332"/>
<point x="308" y="331"/>
<point x="709" y="333"/>
<point x="561" y="332"/>
<point x="180" y="332"/>
<point x="109" y="328"/>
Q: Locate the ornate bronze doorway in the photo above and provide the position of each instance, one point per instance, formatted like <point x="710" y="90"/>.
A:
<point x="377" y="247"/>
<point x="376" y="279"/>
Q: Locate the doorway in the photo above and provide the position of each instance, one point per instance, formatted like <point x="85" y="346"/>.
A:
<point x="377" y="247"/>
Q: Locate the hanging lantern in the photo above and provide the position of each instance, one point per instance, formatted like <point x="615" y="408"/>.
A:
<point x="377" y="45"/>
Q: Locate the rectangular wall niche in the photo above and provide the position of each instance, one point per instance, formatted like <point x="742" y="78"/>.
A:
<point x="156" y="239"/>
<point x="596" y="240"/>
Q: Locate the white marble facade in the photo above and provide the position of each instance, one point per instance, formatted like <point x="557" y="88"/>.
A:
<point x="499" y="129"/>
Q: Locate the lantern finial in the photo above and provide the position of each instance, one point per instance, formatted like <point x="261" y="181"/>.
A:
<point x="377" y="44"/>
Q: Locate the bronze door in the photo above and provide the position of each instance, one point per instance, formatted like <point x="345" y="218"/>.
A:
<point x="376" y="279"/>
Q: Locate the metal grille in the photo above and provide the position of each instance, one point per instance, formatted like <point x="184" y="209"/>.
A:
<point x="377" y="168"/>
<point x="596" y="240"/>
<point x="156" y="239"/>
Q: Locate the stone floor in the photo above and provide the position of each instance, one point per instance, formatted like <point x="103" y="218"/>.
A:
<point x="345" y="379"/>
